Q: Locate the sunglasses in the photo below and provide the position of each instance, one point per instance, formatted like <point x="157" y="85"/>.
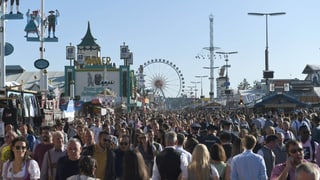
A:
<point x="296" y="150"/>
<point x="124" y="143"/>
<point x="20" y="147"/>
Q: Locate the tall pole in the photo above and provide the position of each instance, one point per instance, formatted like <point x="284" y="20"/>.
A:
<point x="2" y="45"/>
<point x="211" y="49"/>
<point x="267" y="74"/>
<point x="201" y="83"/>
<point x="43" y="72"/>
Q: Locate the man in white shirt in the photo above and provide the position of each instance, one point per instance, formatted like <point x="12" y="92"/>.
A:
<point x="180" y="144"/>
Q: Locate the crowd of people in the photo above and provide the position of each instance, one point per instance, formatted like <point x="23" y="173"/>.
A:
<point x="187" y="145"/>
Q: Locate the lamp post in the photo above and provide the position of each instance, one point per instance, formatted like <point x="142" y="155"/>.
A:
<point x="267" y="74"/>
<point x="195" y="89"/>
<point x="202" y="76"/>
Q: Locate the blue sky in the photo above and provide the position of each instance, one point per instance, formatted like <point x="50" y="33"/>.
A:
<point x="177" y="30"/>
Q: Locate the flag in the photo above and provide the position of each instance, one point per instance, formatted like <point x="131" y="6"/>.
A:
<point x="69" y="113"/>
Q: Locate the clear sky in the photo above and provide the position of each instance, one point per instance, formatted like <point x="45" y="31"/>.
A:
<point x="178" y="30"/>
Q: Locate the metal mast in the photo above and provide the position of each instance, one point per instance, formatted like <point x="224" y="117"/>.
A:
<point x="211" y="49"/>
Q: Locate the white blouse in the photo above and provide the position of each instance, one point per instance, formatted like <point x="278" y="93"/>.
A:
<point x="34" y="170"/>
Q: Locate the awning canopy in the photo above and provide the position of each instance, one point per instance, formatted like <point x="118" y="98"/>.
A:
<point x="280" y="100"/>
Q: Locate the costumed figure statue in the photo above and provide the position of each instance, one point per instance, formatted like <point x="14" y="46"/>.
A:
<point x="52" y="21"/>
<point x="33" y="22"/>
<point x="11" y="5"/>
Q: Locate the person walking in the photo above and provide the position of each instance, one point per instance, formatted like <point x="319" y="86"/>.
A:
<point x="200" y="167"/>
<point x="248" y="160"/>
<point x="104" y="155"/>
<point x="68" y="165"/>
<point x="169" y="163"/>
<point x="51" y="157"/>
<point x="20" y="165"/>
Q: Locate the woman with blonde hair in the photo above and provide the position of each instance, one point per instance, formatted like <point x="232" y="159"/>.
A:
<point x="200" y="167"/>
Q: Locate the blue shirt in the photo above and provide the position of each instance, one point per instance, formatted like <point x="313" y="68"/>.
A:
<point x="248" y="165"/>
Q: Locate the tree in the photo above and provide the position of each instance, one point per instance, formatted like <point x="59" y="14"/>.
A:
<point x="244" y="85"/>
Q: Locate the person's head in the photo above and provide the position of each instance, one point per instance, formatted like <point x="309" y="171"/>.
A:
<point x="23" y="129"/>
<point x="249" y="142"/>
<point x="87" y="166"/>
<point x="271" y="141"/>
<point x="280" y="137"/>
<point x="45" y="133"/>
<point x="9" y="137"/>
<point x="124" y="143"/>
<point x="8" y="127"/>
<point x="58" y="139"/>
<point x="74" y="149"/>
<point x="150" y="134"/>
<point x="134" y="167"/>
<point x="225" y="137"/>
<point x="88" y="136"/>
<point x="104" y="140"/>
<point x="170" y="138"/>
<point x="300" y="115"/>
<point x="180" y="139"/>
<point x="285" y="125"/>
<point x="307" y="171"/>
<point x="191" y="144"/>
<point x="80" y="129"/>
<point x="305" y="133"/>
<point x="143" y="139"/>
<point x="201" y="154"/>
<point x="295" y="151"/>
<point x="270" y="130"/>
<point x="59" y="126"/>
<point x="243" y="133"/>
<point x="217" y="153"/>
<point x="19" y="147"/>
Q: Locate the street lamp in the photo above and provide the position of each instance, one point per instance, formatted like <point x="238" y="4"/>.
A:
<point x="195" y="89"/>
<point x="203" y="76"/>
<point x="267" y="74"/>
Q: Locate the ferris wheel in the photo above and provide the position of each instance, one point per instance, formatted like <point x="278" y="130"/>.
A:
<point x="164" y="78"/>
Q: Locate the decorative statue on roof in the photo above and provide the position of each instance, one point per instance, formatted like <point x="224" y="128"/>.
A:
<point x="52" y="21"/>
<point x="11" y="5"/>
<point x="33" y="22"/>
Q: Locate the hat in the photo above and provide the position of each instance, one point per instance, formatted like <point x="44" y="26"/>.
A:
<point x="195" y="125"/>
<point x="51" y="11"/>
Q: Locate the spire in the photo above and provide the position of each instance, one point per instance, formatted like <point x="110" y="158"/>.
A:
<point x="89" y="40"/>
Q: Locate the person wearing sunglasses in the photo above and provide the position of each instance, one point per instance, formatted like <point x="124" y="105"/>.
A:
<point x="20" y="165"/>
<point x="124" y="145"/>
<point x="295" y="156"/>
<point x="104" y="155"/>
